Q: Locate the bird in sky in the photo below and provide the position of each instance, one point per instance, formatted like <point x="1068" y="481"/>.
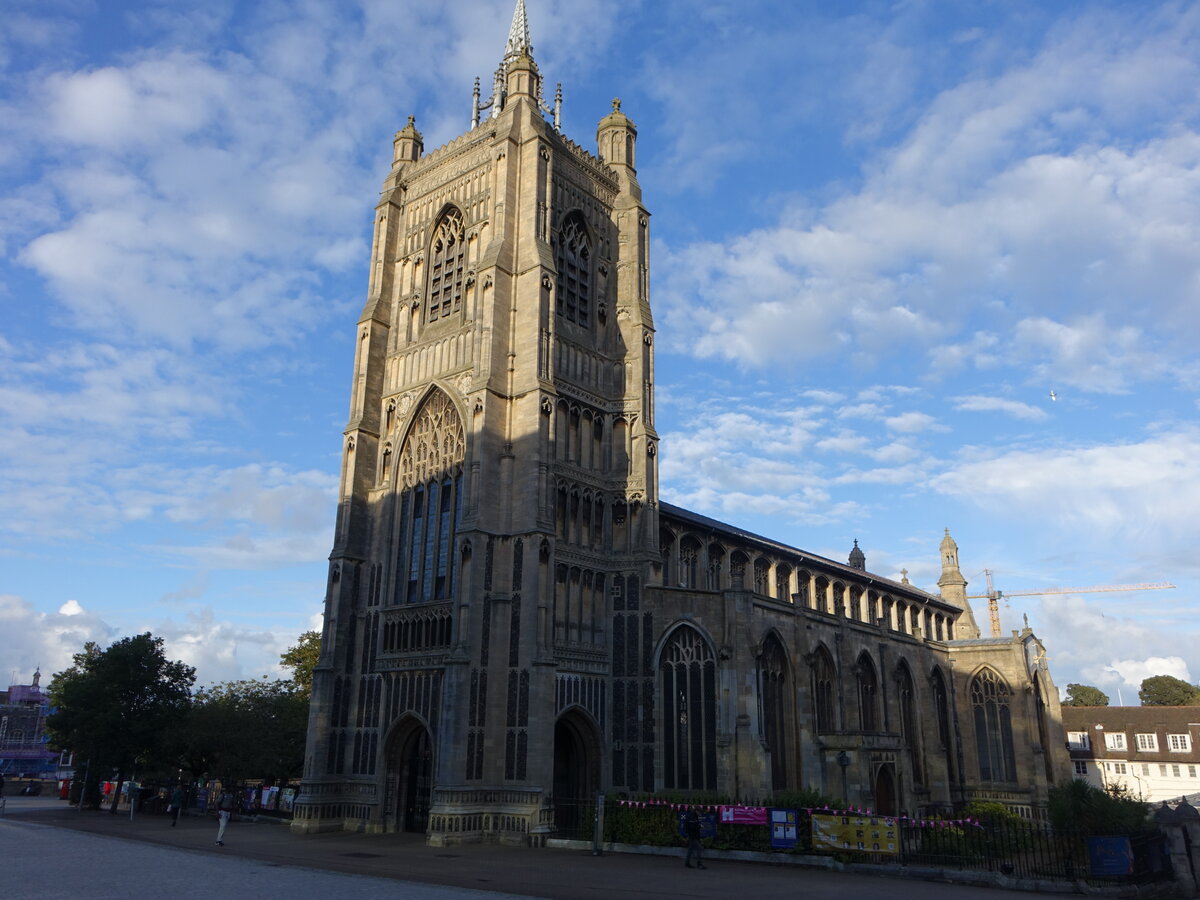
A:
<point x="1053" y="396"/>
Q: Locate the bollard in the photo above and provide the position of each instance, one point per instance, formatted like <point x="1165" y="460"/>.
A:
<point x="598" y="827"/>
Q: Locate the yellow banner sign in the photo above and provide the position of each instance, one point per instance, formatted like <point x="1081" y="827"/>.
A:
<point x="871" y="834"/>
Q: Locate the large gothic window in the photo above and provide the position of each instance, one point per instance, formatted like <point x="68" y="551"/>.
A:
<point x="824" y="676"/>
<point x="906" y="694"/>
<point x="573" y="256"/>
<point x="429" y="501"/>
<point x="991" y="703"/>
<point x="776" y="705"/>
<point x="868" y="693"/>
<point x="688" y="674"/>
<point x="447" y="265"/>
<point x="941" y="706"/>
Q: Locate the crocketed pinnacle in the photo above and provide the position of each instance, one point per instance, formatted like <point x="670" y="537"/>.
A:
<point x="518" y="35"/>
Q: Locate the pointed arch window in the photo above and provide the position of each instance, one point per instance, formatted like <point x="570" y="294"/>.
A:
<point x="868" y="694"/>
<point x="991" y="702"/>
<point x="906" y="694"/>
<point x="774" y="681"/>
<point x="573" y="256"/>
<point x="429" y="501"/>
<point x="824" y="677"/>
<point x="447" y="265"/>
<point x="688" y="675"/>
<point x="941" y="706"/>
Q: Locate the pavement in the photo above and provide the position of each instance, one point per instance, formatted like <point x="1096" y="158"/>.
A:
<point x="50" y="850"/>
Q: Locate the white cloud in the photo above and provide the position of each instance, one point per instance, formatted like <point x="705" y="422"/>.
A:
<point x="1134" y="671"/>
<point x="1014" y="408"/>
<point x="31" y="639"/>
<point x="1010" y="203"/>
<point x="1148" y="488"/>
<point x="911" y="422"/>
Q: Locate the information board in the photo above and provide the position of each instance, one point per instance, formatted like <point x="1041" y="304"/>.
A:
<point x="870" y="834"/>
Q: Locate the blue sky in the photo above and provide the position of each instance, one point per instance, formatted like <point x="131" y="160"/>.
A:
<point x="884" y="233"/>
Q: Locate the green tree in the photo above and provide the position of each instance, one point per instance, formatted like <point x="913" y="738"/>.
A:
<point x="1082" y="806"/>
<point x="1085" y="695"/>
<point x="247" y="729"/>
<point x="119" y="708"/>
<point x="1166" y="690"/>
<point x="302" y="659"/>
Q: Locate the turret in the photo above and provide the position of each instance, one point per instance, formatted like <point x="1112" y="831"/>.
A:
<point x="408" y="145"/>
<point x="616" y="138"/>
<point x="858" y="559"/>
<point x="953" y="588"/>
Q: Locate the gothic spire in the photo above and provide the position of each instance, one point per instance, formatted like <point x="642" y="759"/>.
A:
<point x="518" y="35"/>
<point x="518" y="48"/>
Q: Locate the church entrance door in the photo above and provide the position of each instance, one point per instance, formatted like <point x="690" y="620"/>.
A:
<point x="576" y="774"/>
<point x="885" y="791"/>
<point x="410" y="778"/>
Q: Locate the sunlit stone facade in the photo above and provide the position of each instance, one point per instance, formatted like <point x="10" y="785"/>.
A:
<point x="513" y="617"/>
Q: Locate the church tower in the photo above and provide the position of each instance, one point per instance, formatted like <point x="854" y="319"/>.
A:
<point x="953" y="588"/>
<point x="499" y="480"/>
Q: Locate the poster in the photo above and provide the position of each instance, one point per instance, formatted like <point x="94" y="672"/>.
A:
<point x="785" y="824"/>
<point x="743" y="815"/>
<point x="870" y="834"/>
<point x="1110" y="856"/>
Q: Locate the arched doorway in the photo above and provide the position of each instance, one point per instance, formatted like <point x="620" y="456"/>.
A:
<point x="576" y="772"/>
<point x="410" y="778"/>
<point x="885" y="790"/>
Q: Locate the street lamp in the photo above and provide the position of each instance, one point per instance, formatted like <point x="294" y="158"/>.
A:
<point x="843" y="760"/>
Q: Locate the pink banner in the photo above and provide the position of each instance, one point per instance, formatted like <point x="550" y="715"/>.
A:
<point x="743" y="815"/>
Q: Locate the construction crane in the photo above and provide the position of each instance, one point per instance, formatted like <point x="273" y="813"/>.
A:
<point x="993" y="596"/>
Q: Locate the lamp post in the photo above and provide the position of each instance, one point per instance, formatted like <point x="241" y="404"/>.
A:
<point x="843" y="760"/>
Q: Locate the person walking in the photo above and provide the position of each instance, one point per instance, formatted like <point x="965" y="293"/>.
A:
<point x="178" y="798"/>
<point x="224" y="811"/>
<point x="691" y="827"/>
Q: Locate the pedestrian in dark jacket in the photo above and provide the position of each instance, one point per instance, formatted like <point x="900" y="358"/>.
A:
<point x="691" y="827"/>
<point x="178" y="798"/>
<point x="224" y="810"/>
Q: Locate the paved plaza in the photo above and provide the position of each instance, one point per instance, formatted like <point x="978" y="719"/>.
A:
<point x="51" y="851"/>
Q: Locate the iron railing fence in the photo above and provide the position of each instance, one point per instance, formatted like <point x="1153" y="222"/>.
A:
<point x="1016" y="847"/>
<point x="574" y="818"/>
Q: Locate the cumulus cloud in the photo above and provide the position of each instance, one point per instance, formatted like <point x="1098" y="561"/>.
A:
<point x="1131" y="487"/>
<point x="1111" y="650"/>
<point x="1134" y="671"/>
<point x="30" y="639"/>
<point x="1011" y="202"/>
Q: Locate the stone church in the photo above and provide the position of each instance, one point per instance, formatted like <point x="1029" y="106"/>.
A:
<point x="513" y="618"/>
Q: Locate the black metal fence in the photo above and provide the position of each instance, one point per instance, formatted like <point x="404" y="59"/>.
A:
<point x="574" y="818"/>
<point x="1036" y="850"/>
<point x="1015" y="847"/>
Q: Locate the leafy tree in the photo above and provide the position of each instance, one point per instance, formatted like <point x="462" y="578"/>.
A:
<point x="1085" y="695"/>
<point x="302" y="659"/>
<point x="1082" y="806"/>
<point x="1166" y="690"/>
<point x="247" y="729"/>
<point x="119" y="707"/>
